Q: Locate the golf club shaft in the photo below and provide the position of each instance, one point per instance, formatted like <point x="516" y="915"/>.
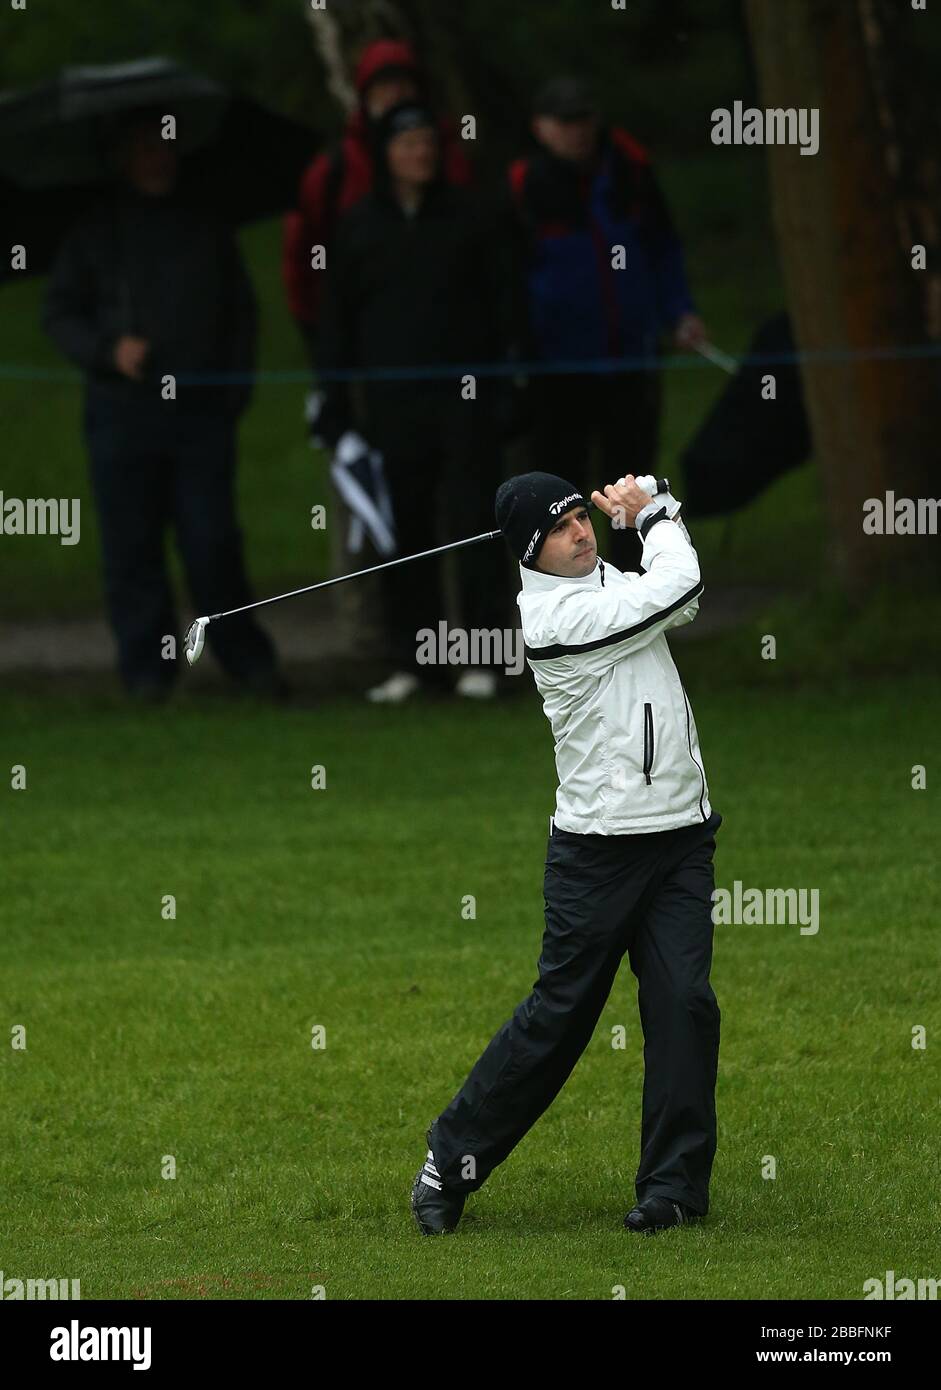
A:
<point x="356" y="574"/>
<point x="721" y="359"/>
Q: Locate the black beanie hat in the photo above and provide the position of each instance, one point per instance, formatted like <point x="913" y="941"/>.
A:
<point x="528" y="506"/>
<point x="404" y="115"/>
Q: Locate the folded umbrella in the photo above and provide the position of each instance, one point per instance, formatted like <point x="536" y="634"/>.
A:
<point x="746" y="441"/>
<point x="360" y="477"/>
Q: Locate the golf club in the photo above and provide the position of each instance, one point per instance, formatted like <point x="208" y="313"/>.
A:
<point x="717" y="356"/>
<point x="195" y="638"/>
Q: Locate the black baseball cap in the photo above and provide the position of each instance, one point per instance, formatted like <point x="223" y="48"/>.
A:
<point x="567" y="98"/>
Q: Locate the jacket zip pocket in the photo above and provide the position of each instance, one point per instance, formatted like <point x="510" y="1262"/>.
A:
<point x="648" y="741"/>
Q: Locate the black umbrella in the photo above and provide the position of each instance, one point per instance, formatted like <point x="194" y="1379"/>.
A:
<point x="240" y="159"/>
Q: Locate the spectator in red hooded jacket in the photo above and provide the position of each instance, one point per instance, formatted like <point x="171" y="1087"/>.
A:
<point x="387" y="73"/>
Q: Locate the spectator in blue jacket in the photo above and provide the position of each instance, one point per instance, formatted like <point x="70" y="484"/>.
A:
<point x="586" y="191"/>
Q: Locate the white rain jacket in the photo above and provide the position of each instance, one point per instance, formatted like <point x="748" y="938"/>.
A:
<point x="626" y="748"/>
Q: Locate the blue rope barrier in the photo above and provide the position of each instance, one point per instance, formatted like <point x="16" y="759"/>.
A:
<point x="13" y="371"/>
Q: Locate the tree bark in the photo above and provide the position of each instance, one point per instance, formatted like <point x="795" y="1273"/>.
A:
<point x="849" y="279"/>
<point x="328" y="40"/>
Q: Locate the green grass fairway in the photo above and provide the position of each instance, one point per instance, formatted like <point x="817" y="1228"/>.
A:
<point x="341" y="907"/>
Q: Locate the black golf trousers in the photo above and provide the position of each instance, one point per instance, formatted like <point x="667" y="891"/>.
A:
<point x="649" y="896"/>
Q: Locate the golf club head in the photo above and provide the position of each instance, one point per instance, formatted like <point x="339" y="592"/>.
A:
<point x="195" y="640"/>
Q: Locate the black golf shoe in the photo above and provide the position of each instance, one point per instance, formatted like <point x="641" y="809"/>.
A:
<point x="436" y="1210"/>
<point x="659" y="1214"/>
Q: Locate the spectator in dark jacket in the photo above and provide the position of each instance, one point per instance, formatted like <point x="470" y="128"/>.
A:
<point x="587" y="190"/>
<point x="387" y="73"/>
<point x="144" y="287"/>
<point x="414" y="284"/>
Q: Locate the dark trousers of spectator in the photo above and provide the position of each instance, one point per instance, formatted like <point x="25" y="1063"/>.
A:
<point x="440" y="496"/>
<point x="648" y="895"/>
<point x="153" y="468"/>
<point x="617" y="415"/>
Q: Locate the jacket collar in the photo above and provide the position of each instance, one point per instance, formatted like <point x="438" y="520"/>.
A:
<point x="536" y="581"/>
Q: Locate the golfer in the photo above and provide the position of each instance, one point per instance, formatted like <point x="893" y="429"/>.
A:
<point x="629" y="861"/>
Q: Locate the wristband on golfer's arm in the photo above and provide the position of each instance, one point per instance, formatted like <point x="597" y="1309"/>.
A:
<point x="648" y="516"/>
<point x="674" y="509"/>
<point x="674" y="512"/>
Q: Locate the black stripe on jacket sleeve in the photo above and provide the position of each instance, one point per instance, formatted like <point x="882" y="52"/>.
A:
<point x="651" y="521"/>
<point x="551" y="653"/>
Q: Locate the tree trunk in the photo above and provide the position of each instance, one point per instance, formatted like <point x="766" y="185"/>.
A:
<point x="849" y="279"/>
<point x="328" y="40"/>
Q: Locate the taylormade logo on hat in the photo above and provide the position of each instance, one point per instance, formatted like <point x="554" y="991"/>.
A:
<point x="558" y="507"/>
<point x="528" y="506"/>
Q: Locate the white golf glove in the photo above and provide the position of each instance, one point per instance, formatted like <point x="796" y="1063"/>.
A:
<point x="648" y="483"/>
<point x="659" y="498"/>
